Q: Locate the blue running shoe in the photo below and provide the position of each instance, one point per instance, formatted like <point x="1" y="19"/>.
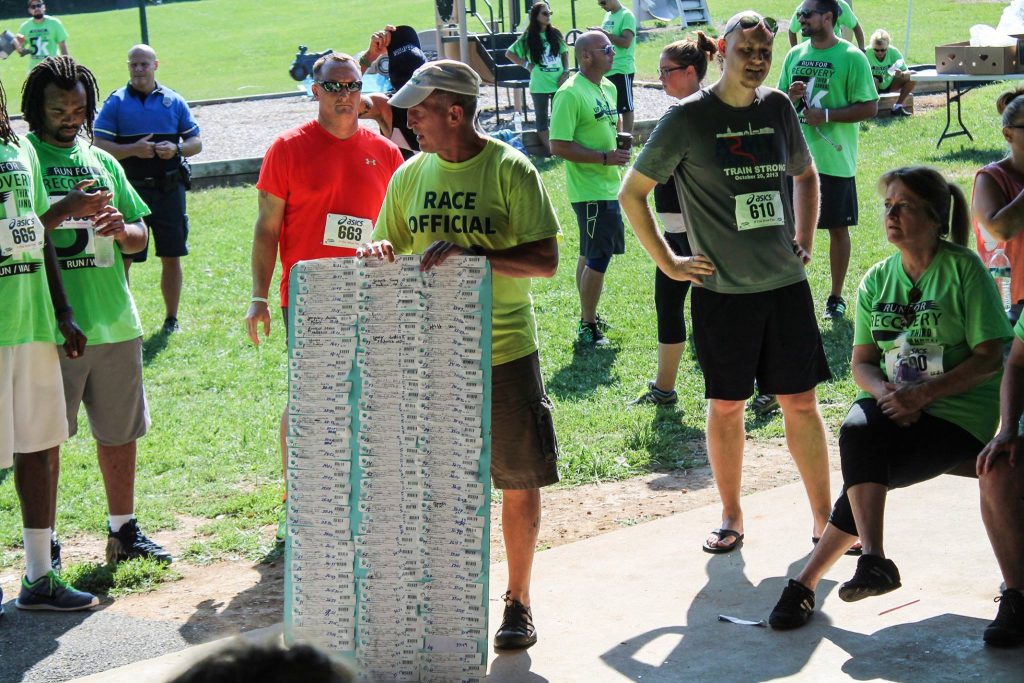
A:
<point x="53" y="593"/>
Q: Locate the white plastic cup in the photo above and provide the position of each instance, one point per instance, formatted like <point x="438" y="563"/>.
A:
<point x="103" y="251"/>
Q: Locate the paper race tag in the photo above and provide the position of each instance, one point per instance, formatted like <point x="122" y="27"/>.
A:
<point x="912" y="362"/>
<point x="350" y="232"/>
<point x="21" y="234"/>
<point x="759" y="210"/>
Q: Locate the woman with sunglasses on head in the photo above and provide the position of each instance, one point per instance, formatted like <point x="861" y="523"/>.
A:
<point x="541" y="50"/>
<point x="681" y="69"/>
<point x="997" y="204"/>
<point x="927" y="356"/>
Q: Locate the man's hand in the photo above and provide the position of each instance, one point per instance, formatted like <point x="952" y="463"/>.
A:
<point x="814" y="116"/>
<point x="618" y="157"/>
<point x="803" y="254"/>
<point x="438" y="252"/>
<point x="258" y="312"/>
<point x="1004" y="443"/>
<point x="380" y="250"/>
<point x="797" y="90"/>
<point x="109" y="222"/>
<point x="691" y="268"/>
<point x="903" y="403"/>
<point x="143" y="148"/>
<point x="165" y="149"/>
<point x="74" y="338"/>
<point x="82" y="204"/>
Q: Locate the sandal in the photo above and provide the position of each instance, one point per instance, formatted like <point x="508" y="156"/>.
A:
<point x="723" y="535"/>
<point x="855" y="550"/>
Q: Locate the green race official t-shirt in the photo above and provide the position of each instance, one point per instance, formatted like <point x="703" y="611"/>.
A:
<point x="584" y="113"/>
<point x="617" y="23"/>
<point x="958" y="309"/>
<point x="881" y="70"/>
<point x="847" y="19"/>
<point x="27" y="313"/>
<point x="730" y="166"/>
<point x="544" y="76"/>
<point x="836" y="77"/>
<point x="42" y="39"/>
<point x="104" y="308"/>
<point x="495" y="200"/>
<point x="1018" y="329"/>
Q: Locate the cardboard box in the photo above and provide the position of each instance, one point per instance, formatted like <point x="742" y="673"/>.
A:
<point x="961" y="58"/>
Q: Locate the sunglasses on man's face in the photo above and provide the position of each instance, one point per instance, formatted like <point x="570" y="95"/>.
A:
<point x="806" y="13"/>
<point x="35" y="6"/>
<point x="749" y="21"/>
<point x="337" y="86"/>
<point x="607" y="49"/>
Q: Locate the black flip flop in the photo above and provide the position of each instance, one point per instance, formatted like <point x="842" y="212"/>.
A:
<point x="851" y="551"/>
<point x="724" y="534"/>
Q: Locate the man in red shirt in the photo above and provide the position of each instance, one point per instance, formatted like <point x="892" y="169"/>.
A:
<point x="320" y="190"/>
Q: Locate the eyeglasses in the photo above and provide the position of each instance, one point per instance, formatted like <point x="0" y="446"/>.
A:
<point x="35" y="5"/>
<point x="806" y="13"/>
<point x="607" y="49"/>
<point x="749" y="21"/>
<point x="665" y="72"/>
<point x="337" y="86"/>
<point x="1016" y="126"/>
<point x="910" y="310"/>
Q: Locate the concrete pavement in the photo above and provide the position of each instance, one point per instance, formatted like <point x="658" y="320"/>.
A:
<point x="642" y="603"/>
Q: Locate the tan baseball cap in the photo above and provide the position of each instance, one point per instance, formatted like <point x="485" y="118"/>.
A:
<point x="444" y="74"/>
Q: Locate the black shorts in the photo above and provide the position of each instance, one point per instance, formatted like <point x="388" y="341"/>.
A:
<point x="670" y="295"/>
<point x="771" y="337"/>
<point x="524" y="450"/>
<point x="168" y="222"/>
<point x="624" y="87"/>
<point x="838" y="202"/>
<point x="602" y="233"/>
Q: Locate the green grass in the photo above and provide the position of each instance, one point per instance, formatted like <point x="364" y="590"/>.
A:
<point x="211" y="460"/>
<point x="131" y="576"/>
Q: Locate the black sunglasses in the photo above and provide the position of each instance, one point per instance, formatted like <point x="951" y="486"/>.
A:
<point x="749" y="21"/>
<point x="666" y="72"/>
<point x="806" y="13"/>
<point x="337" y="86"/>
<point x="909" y="311"/>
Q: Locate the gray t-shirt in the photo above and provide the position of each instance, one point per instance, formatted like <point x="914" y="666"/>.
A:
<point x="730" y="166"/>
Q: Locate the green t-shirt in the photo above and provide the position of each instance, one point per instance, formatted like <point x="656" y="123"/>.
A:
<point x="836" y="77"/>
<point x="584" y="113"/>
<point x="544" y="76"/>
<point x="846" y="19"/>
<point x="27" y="313"/>
<point x="616" y="24"/>
<point x="959" y="308"/>
<point x="42" y="39"/>
<point x="104" y="307"/>
<point x="881" y="71"/>
<point x="1018" y="329"/>
<point x="495" y="200"/>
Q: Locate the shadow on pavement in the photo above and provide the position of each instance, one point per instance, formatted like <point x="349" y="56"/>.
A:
<point x="29" y="638"/>
<point x="513" y="668"/>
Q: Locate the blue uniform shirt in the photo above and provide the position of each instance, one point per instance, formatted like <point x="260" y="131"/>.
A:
<point x="128" y="115"/>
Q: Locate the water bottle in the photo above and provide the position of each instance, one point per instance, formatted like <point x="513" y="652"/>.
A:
<point x="999" y="267"/>
<point x="102" y="251"/>
<point x="517" y="122"/>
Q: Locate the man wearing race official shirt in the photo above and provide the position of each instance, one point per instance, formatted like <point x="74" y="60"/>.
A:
<point x="320" y="190"/>
<point x="149" y="128"/>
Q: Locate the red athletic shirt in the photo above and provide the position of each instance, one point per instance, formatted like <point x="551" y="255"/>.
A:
<point x="317" y="174"/>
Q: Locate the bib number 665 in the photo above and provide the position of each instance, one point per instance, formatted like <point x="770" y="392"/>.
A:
<point x="22" y="231"/>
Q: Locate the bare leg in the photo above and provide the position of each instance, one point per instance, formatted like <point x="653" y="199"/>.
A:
<point x="117" y="464"/>
<point x="906" y="87"/>
<point x="52" y="457"/>
<point x="591" y="284"/>
<point x="581" y="264"/>
<point x="868" y="504"/>
<point x="627" y="121"/>
<point x="805" y="436"/>
<point x="669" y="356"/>
<point x="839" y="257"/>
<point x="545" y="139"/>
<point x="32" y="481"/>
<point x="830" y="548"/>
<point x="1002" y="510"/>
<point x="725" y="439"/>
<point x="520" y="526"/>
<point x="170" y="284"/>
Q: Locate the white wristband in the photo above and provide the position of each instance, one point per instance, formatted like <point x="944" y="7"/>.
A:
<point x="259" y="298"/>
<point x="826" y="116"/>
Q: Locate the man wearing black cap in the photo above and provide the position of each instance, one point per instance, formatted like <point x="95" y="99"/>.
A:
<point x="492" y="186"/>
<point x="404" y="56"/>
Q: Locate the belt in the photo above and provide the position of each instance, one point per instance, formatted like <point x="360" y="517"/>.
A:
<point x="167" y="182"/>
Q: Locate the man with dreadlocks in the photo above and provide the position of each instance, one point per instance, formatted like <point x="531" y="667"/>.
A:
<point x="30" y="381"/>
<point x="58" y="100"/>
<point x="149" y="128"/>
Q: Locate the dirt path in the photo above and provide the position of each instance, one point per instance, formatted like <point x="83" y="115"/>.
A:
<point x="225" y="598"/>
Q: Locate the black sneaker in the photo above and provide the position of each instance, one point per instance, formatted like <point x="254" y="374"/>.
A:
<point x="589" y="334"/>
<point x="602" y="324"/>
<point x="655" y="396"/>
<point x="794" y="608"/>
<point x="763" y="404"/>
<point x="835" y="308"/>
<point x="55" y="554"/>
<point x="170" y="326"/>
<point x="516" y="631"/>
<point x="130" y="542"/>
<point x="874" y="576"/>
<point x="899" y="110"/>
<point x="1008" y="628"/>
